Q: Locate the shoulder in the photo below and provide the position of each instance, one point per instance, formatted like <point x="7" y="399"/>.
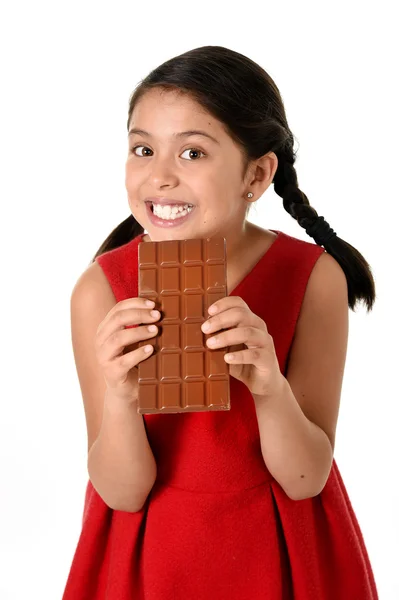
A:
<point x="296" y="246"/>
<point x="120" y="254"/>
<point x="92" y="287"/>
<point x="120" y="267"/>
<point x="324" y="313"/>
<point x="327" y="283"/>
<point x="326" y="291"/>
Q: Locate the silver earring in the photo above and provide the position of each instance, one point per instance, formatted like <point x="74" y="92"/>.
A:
<point x="250" y="195"/>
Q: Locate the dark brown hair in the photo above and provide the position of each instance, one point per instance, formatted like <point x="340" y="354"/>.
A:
<point x="241" y="95"/>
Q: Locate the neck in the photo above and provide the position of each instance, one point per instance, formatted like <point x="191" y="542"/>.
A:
<point x="238" y="241"/>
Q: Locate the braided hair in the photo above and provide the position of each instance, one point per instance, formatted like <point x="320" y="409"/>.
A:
<point x="243" y="96"/>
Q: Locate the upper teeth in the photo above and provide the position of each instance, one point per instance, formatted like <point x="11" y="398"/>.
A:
<point x="171" y="210"/>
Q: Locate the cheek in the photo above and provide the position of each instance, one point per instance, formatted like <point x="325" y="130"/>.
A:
<point x="211" y="185"/>
<point x="131" y="178"/>
<point x="127" y="174"/>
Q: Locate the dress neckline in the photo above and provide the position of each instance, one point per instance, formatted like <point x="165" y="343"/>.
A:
<point x="256" y="266"/>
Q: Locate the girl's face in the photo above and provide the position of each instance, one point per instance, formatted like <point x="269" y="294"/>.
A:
<point x="167" y="161"/>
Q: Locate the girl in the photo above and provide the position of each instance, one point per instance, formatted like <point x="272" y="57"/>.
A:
<point x="247" y="504"/>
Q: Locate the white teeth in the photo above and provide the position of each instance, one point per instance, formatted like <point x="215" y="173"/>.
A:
<point x="172" y="212"/>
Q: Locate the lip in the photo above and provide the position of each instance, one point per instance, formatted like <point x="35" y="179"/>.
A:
<point x="166" y="224"/>
<point x="163" y="201"/>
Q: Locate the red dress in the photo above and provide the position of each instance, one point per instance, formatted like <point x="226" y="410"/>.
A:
<point x="217" y="525"/>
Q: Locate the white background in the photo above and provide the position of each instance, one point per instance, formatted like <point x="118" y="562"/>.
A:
<point x="67" y="71"/>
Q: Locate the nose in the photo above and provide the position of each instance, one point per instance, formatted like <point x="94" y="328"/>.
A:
<point x="163" y="174"/>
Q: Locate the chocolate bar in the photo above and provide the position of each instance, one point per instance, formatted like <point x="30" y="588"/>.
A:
<point x="183" y="278"/>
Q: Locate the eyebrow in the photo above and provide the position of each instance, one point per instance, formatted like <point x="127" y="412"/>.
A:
<point x="181" y="134"/>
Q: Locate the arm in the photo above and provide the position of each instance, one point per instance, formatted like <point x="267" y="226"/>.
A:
<point x="297" y="425"/>
<point x="296" y="451"/>
<point x="120" y="462"/>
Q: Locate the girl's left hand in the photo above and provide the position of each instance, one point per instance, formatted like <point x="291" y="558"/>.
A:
<point x="257" y="366"/>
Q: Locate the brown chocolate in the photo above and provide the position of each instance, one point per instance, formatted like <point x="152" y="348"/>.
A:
<point x="183" y="277"/>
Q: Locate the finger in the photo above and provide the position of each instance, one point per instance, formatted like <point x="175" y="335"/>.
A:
<point x="123" y="339"/>
<point x="132" y="359"/>
<point x="137" y="303"/>
<point x="228" y="318"/>
<point x="251" y="356"/>
<point x="234" y="317"/>
<point x="250" y="336"/>
<point x="119" y="369"/>
<point x="226" y="303"/>
<point x="133" y="302"/>
<point x="125" y="318"/>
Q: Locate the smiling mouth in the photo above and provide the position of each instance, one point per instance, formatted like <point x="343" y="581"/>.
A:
<point x="172" y="211"/>
<point x="165" y="217"/>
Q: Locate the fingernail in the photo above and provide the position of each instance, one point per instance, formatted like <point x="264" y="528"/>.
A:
<point x="205" y="326"/>
<point x="152" y="328"/>
<point x="154" y="313"/>
<point x="149" y="303"/>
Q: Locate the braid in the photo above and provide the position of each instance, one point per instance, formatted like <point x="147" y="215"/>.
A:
<point x="296" y="203"/>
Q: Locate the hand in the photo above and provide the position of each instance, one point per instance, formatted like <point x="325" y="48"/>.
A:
<point x="114" y="339"/>
<point x="257" y="366"/>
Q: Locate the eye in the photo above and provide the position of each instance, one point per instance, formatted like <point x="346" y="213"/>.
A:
<point x="194" y="151"/>
<point x="136" y="147"/>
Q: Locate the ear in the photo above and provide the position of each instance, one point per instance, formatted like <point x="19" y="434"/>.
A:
<point x="261" y="174"/>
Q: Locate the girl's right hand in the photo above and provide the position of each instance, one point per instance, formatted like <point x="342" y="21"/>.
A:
<point x="112" y="339"/>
